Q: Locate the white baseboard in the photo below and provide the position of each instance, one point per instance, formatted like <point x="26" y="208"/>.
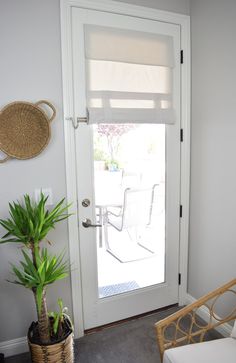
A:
<point x="14" y="346"/>
<point x="224" y="329"/>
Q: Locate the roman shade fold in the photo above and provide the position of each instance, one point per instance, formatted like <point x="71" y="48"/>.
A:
<point x="128" y="76"/>
<point x="128" y="46"/>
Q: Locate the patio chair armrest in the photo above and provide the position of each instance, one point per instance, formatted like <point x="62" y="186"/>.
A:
<point x="119" y="210"/>
<point x="171" y="332"/>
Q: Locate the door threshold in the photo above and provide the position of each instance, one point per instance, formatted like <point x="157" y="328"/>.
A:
<point x="101" y="327"/>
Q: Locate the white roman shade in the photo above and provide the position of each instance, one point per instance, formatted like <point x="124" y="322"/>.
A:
<point x="129" y="76"/>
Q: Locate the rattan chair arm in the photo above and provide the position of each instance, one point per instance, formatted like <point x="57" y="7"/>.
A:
<point x="188" y="310"/>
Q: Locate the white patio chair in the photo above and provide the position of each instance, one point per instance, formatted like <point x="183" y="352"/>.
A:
<point x="133" y="215"/>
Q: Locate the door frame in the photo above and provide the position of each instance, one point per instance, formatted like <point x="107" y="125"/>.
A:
<point x="69" y="133"/>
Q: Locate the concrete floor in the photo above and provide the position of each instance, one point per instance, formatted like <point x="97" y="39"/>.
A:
<point x="133" y="341"/>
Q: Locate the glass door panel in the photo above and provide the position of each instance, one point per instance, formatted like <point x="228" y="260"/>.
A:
<point x="129" y="182"/>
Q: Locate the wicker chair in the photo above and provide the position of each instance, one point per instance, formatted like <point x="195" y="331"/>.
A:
<point x="185" y="326"/>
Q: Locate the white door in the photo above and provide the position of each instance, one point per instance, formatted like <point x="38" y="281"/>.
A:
<point x="127" y="268"/>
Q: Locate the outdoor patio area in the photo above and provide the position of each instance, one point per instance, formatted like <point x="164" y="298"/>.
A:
<point x="141" y="266"/>
<point x="130" y="206"/>
<point x="132" y="256"/>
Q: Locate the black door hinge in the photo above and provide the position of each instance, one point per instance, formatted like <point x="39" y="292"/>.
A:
<point x="180" y="211"/>
<point x="181" y="56"/>
<point x="179" y="279"/>
<point x="181" y="135"/>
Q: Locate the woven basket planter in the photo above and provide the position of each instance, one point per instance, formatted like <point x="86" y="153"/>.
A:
<point x="59" y="352"/>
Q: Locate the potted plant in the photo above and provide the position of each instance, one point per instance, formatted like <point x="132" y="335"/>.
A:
<point x="51" y="337"/>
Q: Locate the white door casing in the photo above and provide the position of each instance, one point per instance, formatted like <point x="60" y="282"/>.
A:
<point x="77" y="254"/>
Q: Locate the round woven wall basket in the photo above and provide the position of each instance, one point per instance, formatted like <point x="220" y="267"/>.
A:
<point x="61" y="352"/>
<point x="25" y="129"/>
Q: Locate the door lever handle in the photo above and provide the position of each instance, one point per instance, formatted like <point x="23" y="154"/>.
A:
<point x="87" y="223"/>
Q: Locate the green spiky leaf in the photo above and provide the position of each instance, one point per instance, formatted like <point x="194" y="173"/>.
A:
<point x="30" y="222"/>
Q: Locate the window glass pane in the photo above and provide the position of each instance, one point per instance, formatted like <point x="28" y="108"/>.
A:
<point x="129" y="168"/>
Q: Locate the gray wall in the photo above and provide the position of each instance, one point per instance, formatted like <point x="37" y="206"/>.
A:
<point x="213" y="173"/>
<point x="30" y="69"/>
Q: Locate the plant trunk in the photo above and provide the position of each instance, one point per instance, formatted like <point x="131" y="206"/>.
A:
<point x="33" y="254"/>
<point x="43" y="320"/>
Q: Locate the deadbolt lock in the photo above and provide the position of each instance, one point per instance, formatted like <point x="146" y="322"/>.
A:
<point x="86" y="202"/>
